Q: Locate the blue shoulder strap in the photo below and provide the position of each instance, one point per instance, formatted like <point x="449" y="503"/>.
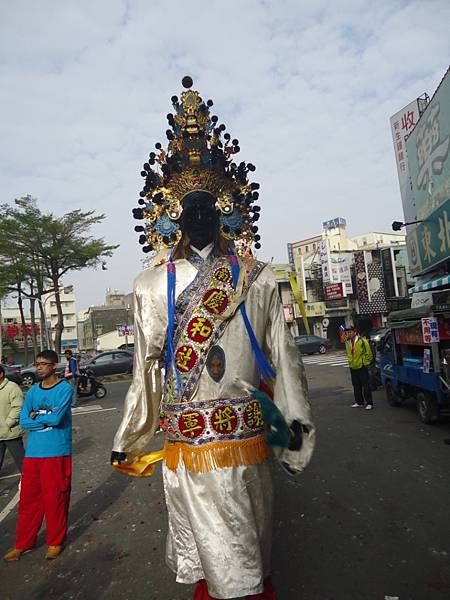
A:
<point x="263" y="364"/>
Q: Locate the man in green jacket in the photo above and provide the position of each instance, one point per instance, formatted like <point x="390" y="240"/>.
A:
<point x="11" y="400"/>
<point x="359" y="354"/>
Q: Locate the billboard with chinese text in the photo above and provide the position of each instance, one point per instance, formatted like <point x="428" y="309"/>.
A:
<point x="429" y="243"/>
<point x="334" y="223"/>
<point x="428" y="149"/>
<point x="125" y="330"/>
<point x="402" y="124"/>
<point x="341" y="270"/>
<point x="333" y="291"/>
<point x="325" y="260"/>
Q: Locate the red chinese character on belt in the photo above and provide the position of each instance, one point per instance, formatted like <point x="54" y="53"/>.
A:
<point x="185" y="358"/>
<point x="191" y="424"/>
<point x="215" y="301"/>
<point x="199" y="329"/>
<point x="252" y="415"/>
<point x="224" y="419"/>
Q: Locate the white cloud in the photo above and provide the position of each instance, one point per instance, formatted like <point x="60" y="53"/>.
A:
<point x="308" y="88"/>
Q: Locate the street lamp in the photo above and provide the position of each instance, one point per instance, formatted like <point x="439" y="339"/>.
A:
<point x="397" y="225"/>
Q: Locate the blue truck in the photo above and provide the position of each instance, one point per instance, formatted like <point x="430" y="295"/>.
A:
<point x="415" y="360"/>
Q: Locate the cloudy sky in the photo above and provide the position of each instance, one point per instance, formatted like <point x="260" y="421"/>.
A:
<point x="307" y="87"/>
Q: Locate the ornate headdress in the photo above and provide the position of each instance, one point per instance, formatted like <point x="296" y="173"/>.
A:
<point x="199" y="157"/>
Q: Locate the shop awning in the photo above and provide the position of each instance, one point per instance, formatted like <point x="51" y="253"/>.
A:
<point x="431" y="285"/>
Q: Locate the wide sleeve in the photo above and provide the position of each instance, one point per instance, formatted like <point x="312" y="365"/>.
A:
<point x="142" y="403"/>
<point x="291" y="386"/>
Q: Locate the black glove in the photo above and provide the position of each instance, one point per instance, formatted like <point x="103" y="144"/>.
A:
<point x="296" y="430"/>
<point x="117" y="457"/>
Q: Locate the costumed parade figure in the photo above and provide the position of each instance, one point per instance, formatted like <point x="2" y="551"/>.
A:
<point x="232" y="393"/>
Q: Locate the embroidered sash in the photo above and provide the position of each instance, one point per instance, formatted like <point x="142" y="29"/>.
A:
<point x="204" y="321"/>
<point x="214" y="434"/>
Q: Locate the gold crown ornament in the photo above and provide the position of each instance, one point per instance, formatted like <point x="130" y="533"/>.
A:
<point x="199" y="157"/>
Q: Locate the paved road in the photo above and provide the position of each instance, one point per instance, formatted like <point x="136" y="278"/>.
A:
<point x="368" y="519"/>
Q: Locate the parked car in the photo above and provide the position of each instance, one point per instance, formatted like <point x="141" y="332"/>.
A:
<point x="30" y="376"/>
<point x="13" y="374"/>
<point x="114" y="362"/>
<point x="129" y="348"/>
<point x="308" y="344"/>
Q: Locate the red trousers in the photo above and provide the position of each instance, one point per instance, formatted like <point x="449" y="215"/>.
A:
<point x="201" y="592"/>
<point x="45" y="490"/>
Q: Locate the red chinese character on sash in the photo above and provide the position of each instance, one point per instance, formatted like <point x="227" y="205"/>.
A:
<point x="199" y="329"/>
<point x="215" y="301"/>
<point x="224" y="419"/>
<point x="191" y="424"/>
<point x="185" y="358"/>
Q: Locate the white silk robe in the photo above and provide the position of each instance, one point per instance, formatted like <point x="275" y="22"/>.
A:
<point x="219" y="521"/>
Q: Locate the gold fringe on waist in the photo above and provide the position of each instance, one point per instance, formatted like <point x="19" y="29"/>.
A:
<point x="209" y="457"/>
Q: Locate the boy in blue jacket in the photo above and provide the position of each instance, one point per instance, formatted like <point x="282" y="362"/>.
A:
<point x="47" y="466"/>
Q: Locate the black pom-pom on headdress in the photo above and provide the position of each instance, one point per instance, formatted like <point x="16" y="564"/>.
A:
<point x="187" y="82"/>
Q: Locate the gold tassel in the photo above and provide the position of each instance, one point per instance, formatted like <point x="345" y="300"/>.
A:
<point x="209" y="457"/>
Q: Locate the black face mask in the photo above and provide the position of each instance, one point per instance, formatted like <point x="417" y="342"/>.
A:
<point x="200" y="219"/>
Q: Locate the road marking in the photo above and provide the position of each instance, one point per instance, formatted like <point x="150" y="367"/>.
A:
<point x="331" y="361"/>
<point x="9" y="476"/>
<point x="89" y="412"/>
<point x="10" y="506"/>
<point x="78" y="409"/>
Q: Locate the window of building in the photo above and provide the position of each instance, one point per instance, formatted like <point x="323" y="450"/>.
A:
<point x="306" y="248"/>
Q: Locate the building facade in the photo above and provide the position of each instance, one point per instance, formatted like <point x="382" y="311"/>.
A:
<point x="69" y="337"/>
<point x="344" y="280"/>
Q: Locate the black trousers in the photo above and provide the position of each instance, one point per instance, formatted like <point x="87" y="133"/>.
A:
<point x="15" y="447"/>
<point x="361" y="385"/>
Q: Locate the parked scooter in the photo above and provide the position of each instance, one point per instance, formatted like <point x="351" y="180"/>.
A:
<point x="89" y="385"/>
